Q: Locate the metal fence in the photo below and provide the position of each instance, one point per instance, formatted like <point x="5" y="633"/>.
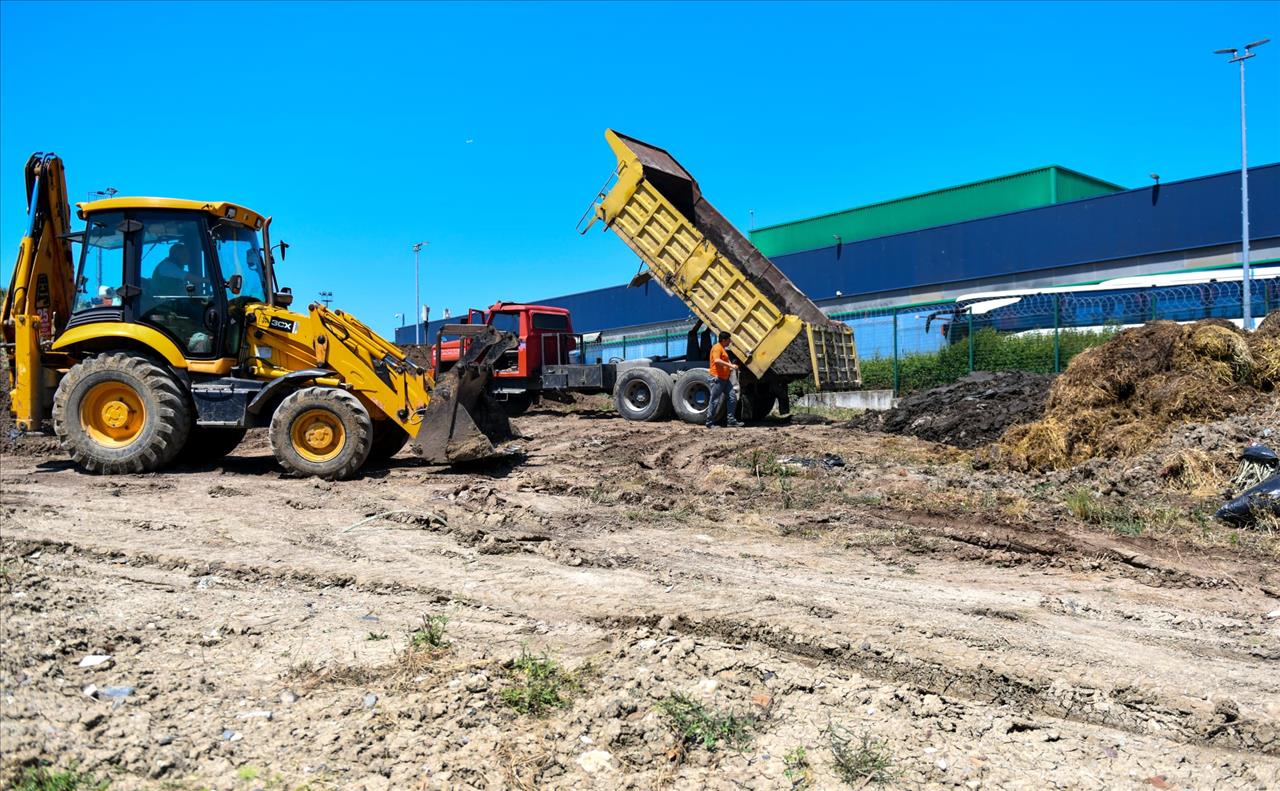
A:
<point x="918" y="346"/>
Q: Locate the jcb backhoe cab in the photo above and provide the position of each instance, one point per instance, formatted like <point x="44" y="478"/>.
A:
<point x="170" y="336"/>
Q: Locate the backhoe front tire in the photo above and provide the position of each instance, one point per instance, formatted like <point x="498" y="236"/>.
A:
<point x="321" y="431"/>
<point x="121" y="413"/>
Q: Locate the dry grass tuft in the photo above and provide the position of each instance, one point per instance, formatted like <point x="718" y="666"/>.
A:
<point x="1115" y="400"/>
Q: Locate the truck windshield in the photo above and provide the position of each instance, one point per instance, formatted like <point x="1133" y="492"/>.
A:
<point x="240" y="254"/>
<point x="506" y="322"/>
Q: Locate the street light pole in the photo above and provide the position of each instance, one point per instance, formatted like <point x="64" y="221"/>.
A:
<point x="1246" y="296"/>
<point x="417" y="294"/>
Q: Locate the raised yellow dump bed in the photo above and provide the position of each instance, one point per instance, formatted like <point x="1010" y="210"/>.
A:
<point x="697" y="255"/>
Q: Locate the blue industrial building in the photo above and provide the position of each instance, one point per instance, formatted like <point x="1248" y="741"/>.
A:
<point x="1174" y="227"/>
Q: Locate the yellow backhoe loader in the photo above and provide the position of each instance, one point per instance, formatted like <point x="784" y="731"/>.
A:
<point x="170" y="336"/>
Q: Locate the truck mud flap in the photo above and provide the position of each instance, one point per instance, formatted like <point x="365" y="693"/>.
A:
<point x="462" y="422"/>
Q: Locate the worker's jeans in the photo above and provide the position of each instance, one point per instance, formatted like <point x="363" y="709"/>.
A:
<point x="721" y="389"/>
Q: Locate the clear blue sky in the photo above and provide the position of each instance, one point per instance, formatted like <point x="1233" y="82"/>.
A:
<point x="364" y="128"/>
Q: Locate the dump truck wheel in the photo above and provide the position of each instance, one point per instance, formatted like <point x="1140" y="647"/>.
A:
<point x="691" y="396"/>
<point x="121" y="413"/>
<point x="516" y="404"/>
<point x="321" y="431"/>
<point x="388" y="439"/>
<point x="207" y="444"/>
<point x="643" y="394"/>
<point x="755" y="404"/>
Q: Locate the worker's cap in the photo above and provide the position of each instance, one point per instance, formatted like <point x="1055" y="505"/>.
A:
<point x="724" y="336"/>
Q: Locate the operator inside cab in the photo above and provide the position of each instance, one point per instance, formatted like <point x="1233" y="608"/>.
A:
<point x="172" y="275"/>
<point x="177" y="296"/>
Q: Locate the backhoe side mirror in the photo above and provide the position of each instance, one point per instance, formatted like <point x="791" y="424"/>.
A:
<point x="284" y="297"/>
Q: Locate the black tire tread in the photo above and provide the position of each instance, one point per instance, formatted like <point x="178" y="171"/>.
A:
<point x="356" y="420"/>
<point x="169" y="405"/>
<point x="658" y="381"/>
<point x="688" y="379"/>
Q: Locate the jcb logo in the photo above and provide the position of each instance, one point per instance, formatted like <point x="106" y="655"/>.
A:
<point x="284" y="325"/>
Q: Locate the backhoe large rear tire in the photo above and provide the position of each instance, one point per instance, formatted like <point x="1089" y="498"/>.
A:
<point x="321" y="431"/>
<point x="643" y="394"/>
<point x="208" y="444"/>
<point x="121" y="413"/>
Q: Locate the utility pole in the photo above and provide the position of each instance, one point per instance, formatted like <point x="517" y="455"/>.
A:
<point x="1246" y="297"/>
<point x="417" y="294"/>
<point x="326" y="297"/>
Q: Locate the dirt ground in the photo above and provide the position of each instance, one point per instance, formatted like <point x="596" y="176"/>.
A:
<point x="976" y="633"/>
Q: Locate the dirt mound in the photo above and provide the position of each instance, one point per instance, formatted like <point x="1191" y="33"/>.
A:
<point x="1115" y="400"/>
<point x="973" y="411"/>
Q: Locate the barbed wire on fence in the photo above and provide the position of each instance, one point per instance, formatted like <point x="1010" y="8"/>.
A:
<point x="909" y="347"/>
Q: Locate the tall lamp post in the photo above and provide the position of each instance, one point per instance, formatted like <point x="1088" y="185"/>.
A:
<point x="1246" y="297"/>
<point x="417" y="296"/>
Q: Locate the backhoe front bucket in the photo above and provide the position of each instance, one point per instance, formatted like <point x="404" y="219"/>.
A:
<point x="462" y="421"/>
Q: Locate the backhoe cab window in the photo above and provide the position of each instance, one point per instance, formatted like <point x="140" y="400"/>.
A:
<point x="177" y="281"/>
<point x="101" y="263"/>
<point x="239" y="254"/>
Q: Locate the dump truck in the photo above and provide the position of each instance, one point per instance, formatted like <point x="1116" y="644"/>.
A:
<point x="695" y="254"/>
<point x="168" y="336"/>
<point x="688" y="247"/>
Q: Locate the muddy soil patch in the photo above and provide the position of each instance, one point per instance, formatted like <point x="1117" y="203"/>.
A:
<point x="968" y="413"/>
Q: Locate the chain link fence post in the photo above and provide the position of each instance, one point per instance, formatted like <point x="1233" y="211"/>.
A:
<point x="896" y="372"/>
<point x="970" y="340"/>
<point x="1057" y="333"/>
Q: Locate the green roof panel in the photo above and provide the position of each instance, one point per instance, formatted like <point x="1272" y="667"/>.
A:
<point x="1015" y="192"/>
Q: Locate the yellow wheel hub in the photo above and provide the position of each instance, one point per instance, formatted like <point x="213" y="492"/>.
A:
<point x="317" y="435"/>
<point x="112" y="414"/>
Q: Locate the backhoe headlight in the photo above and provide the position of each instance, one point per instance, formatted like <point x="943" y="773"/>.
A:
<point x="230" y="212"/>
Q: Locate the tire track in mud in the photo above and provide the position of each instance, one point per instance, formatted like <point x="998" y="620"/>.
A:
<point x="1127" y="708"/>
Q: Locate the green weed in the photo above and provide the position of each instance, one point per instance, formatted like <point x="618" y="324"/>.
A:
<point x="1088" y="508"/>
<point x="42" y="778"/>
<point x="538" y="684"/>
<point x="431" y="633"/>
<point x="696" y="725"/>
<point x="861" y="759"/>
<point x="374" y="636"/>
<point x="798" y="770"/>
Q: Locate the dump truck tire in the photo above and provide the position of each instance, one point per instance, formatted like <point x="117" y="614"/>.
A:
<point x="643" y="394"/>
<point x="206" y="444"/>
<point x="321" y="431"/>
<point x="755" y="405"/>
<point x="388" y="439"/>
<point x="121" y="413"/>
<point x="516" y="404"/>
<point x="691" y="396"/>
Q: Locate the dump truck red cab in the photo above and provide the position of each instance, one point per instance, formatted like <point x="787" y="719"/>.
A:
<point x="546" y="338"/>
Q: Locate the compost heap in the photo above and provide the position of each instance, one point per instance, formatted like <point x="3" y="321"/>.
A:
<point x="969" y="412"/>
<point x="1114" y="400"/>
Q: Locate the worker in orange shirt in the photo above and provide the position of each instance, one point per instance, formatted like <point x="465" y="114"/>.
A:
<point x="721" y="384"/>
